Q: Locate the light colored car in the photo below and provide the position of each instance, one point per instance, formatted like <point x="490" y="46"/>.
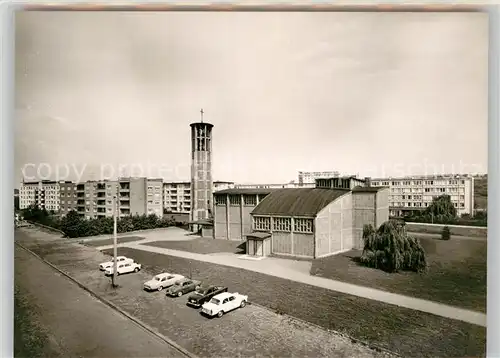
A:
<point x="161" y="281"/>
<point x="119" y="260"/>
<point x="125" y="267"/>
<point x="183" y="286"/>
<point x="223" y="303"/>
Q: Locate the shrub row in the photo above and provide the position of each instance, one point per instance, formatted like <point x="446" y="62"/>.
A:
<point x="73" y="225"/>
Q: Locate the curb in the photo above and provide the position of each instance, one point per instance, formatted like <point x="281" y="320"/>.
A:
<point x="354" y="340"/>
<point x="46" y="227"/>
<point x="113" y="306"/>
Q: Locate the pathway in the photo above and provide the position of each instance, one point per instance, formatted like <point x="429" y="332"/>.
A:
<point x="273" y="267"/>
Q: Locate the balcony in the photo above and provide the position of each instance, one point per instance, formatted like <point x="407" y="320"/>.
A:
<point x="101" y="194"/>
<point x="101" y="202"/>
<point x="124" y="204"/>
<point x="101" y="186"/>
<point x="80" y="187"/>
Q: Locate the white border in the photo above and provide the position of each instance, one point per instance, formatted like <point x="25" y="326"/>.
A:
<point x="493" y="295"/>
<point x="7" y="155"/>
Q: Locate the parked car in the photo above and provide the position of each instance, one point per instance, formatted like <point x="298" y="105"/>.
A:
<point x="119" y="260"/>
<point x="223" y="303"/>
<point x="125" y="267"/>
<point x="161" y="281"/>
<point x="203" y="294"/>
<point x="183" y="286"/>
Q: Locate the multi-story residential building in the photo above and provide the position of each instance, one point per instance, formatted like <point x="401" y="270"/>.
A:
<point x="133" y="196"/>
<point x="415" y="193"/>
<point x="27" y="194"/>
<point x="177" y="195"/>
<point x="44" y="194"/>
<point x="155" y="197"/>
<point x="310" y="177"/>
<point x="97" y="198"/>
<point x="67" y="197"/>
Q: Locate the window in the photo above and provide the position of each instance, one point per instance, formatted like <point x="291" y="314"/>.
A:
<point x="261" y="223"/>
<point x="220" y="200"/>
<point x="250" y="200"/>
<point x="282" y="224"/>
<point x="303" y="225"/>
<point x="234" y="200"/>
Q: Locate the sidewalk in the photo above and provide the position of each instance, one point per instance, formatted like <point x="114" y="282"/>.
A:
<point x="272" y="266"/>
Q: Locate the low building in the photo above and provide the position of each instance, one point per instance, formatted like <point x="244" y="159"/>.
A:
<point x="302" y="222"/>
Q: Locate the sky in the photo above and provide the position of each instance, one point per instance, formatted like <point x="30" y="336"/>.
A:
<point x="105" y="94"/>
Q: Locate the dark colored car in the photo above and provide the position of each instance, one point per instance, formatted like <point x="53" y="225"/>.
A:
<point x="204" y="294"/>
<point x="182" y="287"/>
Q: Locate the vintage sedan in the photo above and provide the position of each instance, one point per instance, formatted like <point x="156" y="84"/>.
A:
<point x="223" y="303"/>
<point x="183" y="286"/>
<point x="122" y="268"/>
<point x="119" y="260"/>
<point x="161" y="281"/>
<point x="203" y="294"/>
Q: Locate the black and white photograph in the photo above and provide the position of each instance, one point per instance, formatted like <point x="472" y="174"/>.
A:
<point x="250" y="184"/>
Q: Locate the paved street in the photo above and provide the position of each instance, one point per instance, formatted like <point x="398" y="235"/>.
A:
<point x="77" y="324"/>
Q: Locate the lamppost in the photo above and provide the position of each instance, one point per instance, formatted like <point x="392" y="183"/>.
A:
<point x="115" y="241"/>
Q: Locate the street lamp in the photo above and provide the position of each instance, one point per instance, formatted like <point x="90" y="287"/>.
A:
<point x="115" y="248"/>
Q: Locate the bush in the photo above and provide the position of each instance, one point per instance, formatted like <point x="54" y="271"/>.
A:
<point x="73" y="225"/>
<point x="446" y="234"/>
<point x="391" y="249"/>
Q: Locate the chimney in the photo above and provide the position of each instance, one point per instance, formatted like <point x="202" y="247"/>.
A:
<point x="368" y="182"/>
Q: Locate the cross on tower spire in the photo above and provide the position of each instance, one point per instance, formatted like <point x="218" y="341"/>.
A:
<point x="202" y="115"/>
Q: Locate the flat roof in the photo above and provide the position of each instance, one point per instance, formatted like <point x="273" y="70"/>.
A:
<point x="258" y="235"/>
<point x="237" y="191"/>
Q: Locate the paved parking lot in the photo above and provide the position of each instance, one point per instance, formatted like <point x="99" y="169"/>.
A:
<point x="251" y="331"/>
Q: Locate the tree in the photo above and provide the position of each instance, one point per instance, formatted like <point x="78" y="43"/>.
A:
<point x="446" y="234"/>
<point x="391" y="249"/>
<point x="440" y="211"/>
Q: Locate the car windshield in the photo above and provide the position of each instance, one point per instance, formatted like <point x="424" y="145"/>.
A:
<point x="201" y="290"/>
<point x="157" y="278"/>
<point x="178" y="283"/>
<point x="215" y="301"/>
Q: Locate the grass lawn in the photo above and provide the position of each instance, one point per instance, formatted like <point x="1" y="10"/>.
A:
<point x="405" y="331"/>
<point x="202" y="246"/>
<point x="456" y="276"/>
<point x="120" y="240"/>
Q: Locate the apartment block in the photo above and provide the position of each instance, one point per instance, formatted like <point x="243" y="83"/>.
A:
<point x="67" y="197"/>
<point x="310" y="177"/>
<point x="411" y="194"/>
<point x="44" y="194"/>
<point x="155" y="197"/>
<point x="177" y="195"/>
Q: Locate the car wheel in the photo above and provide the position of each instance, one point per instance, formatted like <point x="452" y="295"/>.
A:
<point x="179" y="294"/>
<point x="160" y="288"/>
<point x="136" y="269"/>
<point x="243" y="303"/>
<point x="220" y="314"/>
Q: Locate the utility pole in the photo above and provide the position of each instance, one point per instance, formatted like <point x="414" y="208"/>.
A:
<point x="115" y="243"/>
